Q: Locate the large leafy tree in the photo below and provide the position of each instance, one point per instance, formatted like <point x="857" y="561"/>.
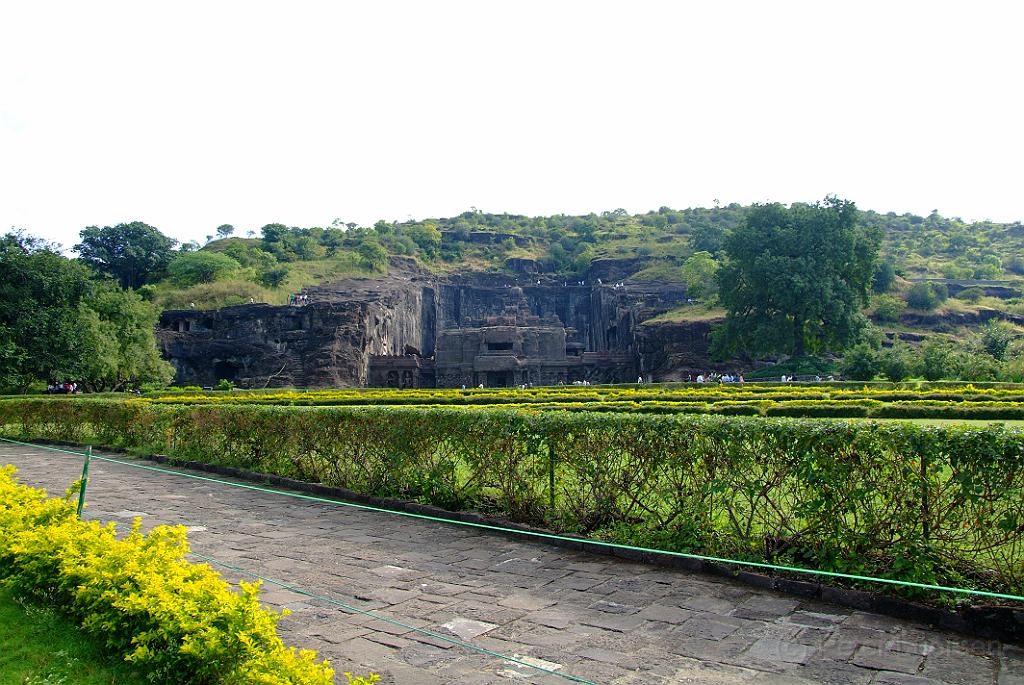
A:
<point x="134" y="253"/>
<point x="795" y="278"/>
<point x="57" y="323"/>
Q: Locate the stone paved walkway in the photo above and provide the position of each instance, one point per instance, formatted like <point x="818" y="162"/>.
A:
<point x="604" y="620"/>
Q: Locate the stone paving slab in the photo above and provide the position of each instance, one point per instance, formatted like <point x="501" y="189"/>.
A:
<point x="604" y="620"/>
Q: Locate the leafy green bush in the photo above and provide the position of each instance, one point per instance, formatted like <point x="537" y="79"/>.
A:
<point x="193" y="268"/>
<point x="927" y="296"/>
<point x="972" y="294"/>
<point x="860" y="363"/>
<point x="177" y="621"/>
<point x="888" y="308"/>
<point x="835" y="494"/>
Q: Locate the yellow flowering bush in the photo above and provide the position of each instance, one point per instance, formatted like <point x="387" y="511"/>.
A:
<point x="177" y="621"/>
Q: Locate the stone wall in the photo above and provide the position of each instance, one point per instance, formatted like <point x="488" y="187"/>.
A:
<point x="330" y="341"/>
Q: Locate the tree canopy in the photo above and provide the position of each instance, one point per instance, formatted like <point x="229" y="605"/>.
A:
<point x="134" y="253"/>
<point x="796" y="278"/>
<point x="57" y="323"/>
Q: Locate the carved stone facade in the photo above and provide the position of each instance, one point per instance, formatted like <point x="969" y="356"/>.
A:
<point x="412" y="329"/>
<point x="515" y="347"/>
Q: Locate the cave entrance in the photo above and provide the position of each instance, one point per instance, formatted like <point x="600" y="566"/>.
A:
<point x="225" y="371"/>
<point x="499" y="379"/>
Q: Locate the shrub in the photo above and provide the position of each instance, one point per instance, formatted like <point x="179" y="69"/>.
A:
<point x="888" y="308"/>
<point x="924" y="296"/>
<point x="193" y="268"/>
<point x="860" y="363"/>
<point x="996" y="337"/>
<point x="972" y="294"/>
<point x="835" y="494"/>
<point x="897" y="363"/>
<point x="274" y="277"/>
<point x="177" y="621"/>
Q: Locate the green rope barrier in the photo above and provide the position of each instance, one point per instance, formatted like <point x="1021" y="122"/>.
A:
<point x="391" y="621"/>
<point x="548" y="536"/>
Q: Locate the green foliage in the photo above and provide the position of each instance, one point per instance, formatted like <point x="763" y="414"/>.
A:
<point x="836" y="495"/>
<point x="935" y="359"/>
<point x="193" y="268"/>
<point x="888" y="308"/>
<point x="134" y="253"/>
<point x="57" y="324"/>
<point x="178" y="622"/>
<point x="373" y="255"/>
<point x="699" y="271"/>
<point x="972" y="294"/>
<point x="795" y="279"/>
<point x="897" y="363"/>
<point x="224" y="384"/>
<point x="860" y="363"/>
<point x="885" y="276"/>
<point x="996" y="337"/>
<point x="225" y="230"/>
<point x="273" y="278"/>
<point x="926" y="296"/>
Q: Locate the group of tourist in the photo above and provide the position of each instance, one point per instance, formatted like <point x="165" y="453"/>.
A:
<point x="712" y="377"/>
<point x="298" y="298"/>
<point x="62" y="389"/>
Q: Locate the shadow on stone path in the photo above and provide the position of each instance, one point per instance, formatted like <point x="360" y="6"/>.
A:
<point x="600" y="619"/>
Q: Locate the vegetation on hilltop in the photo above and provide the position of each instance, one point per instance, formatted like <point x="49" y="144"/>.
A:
<point x="930" y="269"/>
<point x="684" y="246"/>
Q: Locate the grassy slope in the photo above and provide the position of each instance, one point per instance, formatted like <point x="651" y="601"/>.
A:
<point x="40" y="647"/>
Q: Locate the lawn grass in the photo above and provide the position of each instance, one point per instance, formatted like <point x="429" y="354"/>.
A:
<point x="38" y="646"/>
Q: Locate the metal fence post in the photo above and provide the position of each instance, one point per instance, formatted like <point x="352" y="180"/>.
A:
<point x="85" y="480"/>
<point x="925" y="508"/>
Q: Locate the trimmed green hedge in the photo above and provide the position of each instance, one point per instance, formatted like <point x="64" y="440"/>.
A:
<point x="928" y="504"/>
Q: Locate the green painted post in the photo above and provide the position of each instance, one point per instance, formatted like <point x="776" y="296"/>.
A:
<point x="85" y="480"/>
<point x="551" y="478"/>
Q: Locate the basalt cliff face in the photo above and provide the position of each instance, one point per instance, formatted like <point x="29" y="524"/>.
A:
<point x="412" y="329"/>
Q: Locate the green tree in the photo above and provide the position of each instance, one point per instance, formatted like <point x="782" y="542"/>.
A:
<point x="124" y="352"/>
<point x="40" y="295"/>
<point x="224" y="230"/>
<point x="795" y="278"/>
<point x="58" y="324"/>
<point x="373" y="255"/>
<point x="861" y="363"/>
<point x="133" y="253"/>
<point x="427" y="238"/>
<point x="884" y="277"/>
<point x="925" y="296"/>
<point x="996" y="337"/>
<point x="936" y="359"/>
<point x="274" y="277"/>
<point x="888" y="308"/>
<point x="897" y="363"/>
<point x="699" y="271"/>
<point x="192" y="268"/>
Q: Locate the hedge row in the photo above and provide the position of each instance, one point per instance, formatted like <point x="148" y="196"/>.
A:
<point x="707" y="394"/>
<point x="177" y="621"/>
<point x="929" y="504"/>
<point x="855" y="408"/>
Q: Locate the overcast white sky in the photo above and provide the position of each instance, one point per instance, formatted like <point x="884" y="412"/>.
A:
<point x="188" y="115"/>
